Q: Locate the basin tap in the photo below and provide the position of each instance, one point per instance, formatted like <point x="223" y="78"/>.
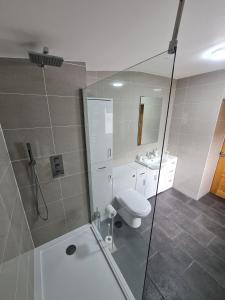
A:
<point x="155" y="152"/>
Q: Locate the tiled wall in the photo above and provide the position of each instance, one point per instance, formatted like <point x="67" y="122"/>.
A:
<point x="213" y="155"/>
<point x="195" y="112"/>
<point x="16" y="255"/>
<point x="126" y="100"/>
<point x="43" y="107"/>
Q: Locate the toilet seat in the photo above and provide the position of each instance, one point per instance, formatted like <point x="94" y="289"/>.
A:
<point x="134" y="202"/>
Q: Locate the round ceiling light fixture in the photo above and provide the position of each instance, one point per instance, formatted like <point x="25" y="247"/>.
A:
<point x="117" y="84"/>
<point x="157" y="90"/>
<point x="216" y="53"/>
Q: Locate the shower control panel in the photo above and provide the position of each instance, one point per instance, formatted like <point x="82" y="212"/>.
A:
<point x="57" y="165"/>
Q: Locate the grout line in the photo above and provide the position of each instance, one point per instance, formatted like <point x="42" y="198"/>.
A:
<point x="69" y="125"/>
<point x="26" y="128"/>
<point x="40" y="95"/>
<point x="43" y="73"/>
<point x="189" y="266"/>
<point x="64" y="210"/>
<point x="46" y="182"/>
<point x="213" y="238"/>
<point x="42" y="127"/>
<point x="22" y="94"/>
<point x="47" y="155"/>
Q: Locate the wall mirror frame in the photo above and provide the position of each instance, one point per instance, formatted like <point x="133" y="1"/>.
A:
<point x="150" y="110"/>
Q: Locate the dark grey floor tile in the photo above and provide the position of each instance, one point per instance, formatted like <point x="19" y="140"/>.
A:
<point x="176" y="258"/>
<point x="204" y="285"/>
<point x="210" y="262"/>
<point x="132" y="271"/>
<point x="211" y="226"/>
<point x="151" y="292"/>
<point x="218" y="247"/>
<point x="182" y="207"/>
<point x="168" y="226"/>
<point x="207" y="200"/>
<point x="177" y="194"/>
<point x="199" y="232"/>
<point x="220" y="207"/>
<point x="169" y="282"/>
<point x="163" y="209"/>
<point x="210" y="212"/>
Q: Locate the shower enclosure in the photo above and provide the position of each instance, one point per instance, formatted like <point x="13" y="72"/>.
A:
<point x="126" y="116"/>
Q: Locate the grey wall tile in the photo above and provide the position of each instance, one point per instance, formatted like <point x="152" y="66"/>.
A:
<point x="195" y="112"/>
<point x="55" y="213"/>
<point x="20" y="76"/>
<point x="51" y="191"/>
<point x="65" y="110"/>
<point x="47" y="233"/>
<point x="23" y="111"/>
<point x="40" y="138"/>
<point x="8" y="190"/>
<point x="73" y="185"/>
<point x="68" y="138"/>
<point x="76" y="211"/>
<point x="65" y="81"/>
<point x="25" y="117"/>
<point x="74" y="162"/>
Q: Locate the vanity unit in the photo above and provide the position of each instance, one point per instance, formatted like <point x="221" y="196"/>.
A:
<point x="147" y="175"/>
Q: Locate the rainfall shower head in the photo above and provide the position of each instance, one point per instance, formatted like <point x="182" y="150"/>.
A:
<point x="44" y="59"/>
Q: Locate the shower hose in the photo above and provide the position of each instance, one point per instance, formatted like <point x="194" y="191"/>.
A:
<point x="38" y="187"/>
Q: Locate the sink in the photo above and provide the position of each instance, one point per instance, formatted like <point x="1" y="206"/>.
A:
<point x="152" y="163"/>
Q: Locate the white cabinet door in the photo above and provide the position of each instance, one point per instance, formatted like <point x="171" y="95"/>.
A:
<point x="151" y="183"/>
<point x="141" y="181"/>
<point x="100" y="126"/>
<point x="101" y="186"/>
<point x="162" y="179"/>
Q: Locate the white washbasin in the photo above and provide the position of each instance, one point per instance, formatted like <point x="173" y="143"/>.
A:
<point x="152" y="163"/>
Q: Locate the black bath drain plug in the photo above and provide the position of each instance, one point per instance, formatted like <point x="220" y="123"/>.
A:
<point x="71" y="249"/>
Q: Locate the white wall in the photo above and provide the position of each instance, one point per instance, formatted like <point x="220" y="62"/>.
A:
<point x="213" y="154"/>
<point x="195" y="112"/>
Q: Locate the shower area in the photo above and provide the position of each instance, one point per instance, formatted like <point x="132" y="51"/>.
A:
<point x="71" y="157"/>
<point x="87" y="178"/>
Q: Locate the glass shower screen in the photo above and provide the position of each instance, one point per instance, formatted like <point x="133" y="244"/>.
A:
<point x="126" y="114"/>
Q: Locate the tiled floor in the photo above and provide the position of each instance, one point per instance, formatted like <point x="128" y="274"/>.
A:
<point x="187" y="257"/>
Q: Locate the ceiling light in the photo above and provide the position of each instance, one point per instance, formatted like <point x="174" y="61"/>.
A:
<point x="215" y="53"/>
<point x="117" y="84"/>
<point x="157" y="90"/>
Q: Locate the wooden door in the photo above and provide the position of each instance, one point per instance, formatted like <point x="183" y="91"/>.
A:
<point x="218" y="184"/>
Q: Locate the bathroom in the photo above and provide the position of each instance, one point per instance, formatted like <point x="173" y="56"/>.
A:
<point x="106" y="171"/>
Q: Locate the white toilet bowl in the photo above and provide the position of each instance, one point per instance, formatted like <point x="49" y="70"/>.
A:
<point x="133" y="207"/>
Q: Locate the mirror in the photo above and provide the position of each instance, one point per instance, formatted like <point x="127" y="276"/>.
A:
<point x="150" y="110"/>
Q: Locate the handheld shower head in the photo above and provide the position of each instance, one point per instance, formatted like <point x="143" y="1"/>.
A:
<point x="29" y="149"/>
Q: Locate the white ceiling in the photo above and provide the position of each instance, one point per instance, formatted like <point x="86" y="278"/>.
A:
<point x="113" y="34"/>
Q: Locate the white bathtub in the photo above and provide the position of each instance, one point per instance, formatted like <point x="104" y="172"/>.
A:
<point x="84" y="275"/>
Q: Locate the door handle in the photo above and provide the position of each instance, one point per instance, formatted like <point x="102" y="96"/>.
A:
<point x="101" y="168"/>
<point x="222" y="154"/>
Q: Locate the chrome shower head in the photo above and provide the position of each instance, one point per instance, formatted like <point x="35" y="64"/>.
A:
<point x="44" y="59"/>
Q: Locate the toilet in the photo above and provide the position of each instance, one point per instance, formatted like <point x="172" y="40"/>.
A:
<point x="132" y="206"/>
